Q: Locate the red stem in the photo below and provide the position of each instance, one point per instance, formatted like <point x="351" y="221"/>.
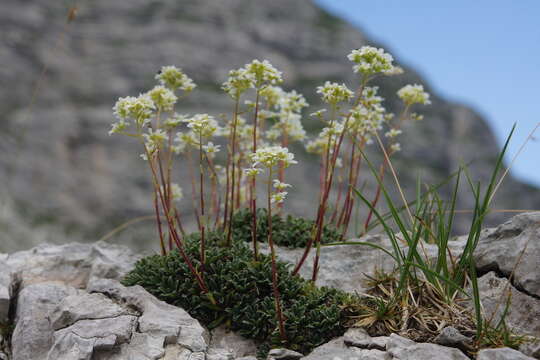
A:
<point x="275" y="287"/>
<point x="253" y="191"/>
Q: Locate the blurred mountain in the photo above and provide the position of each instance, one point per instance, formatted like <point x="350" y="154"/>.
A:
<point x="59" y="168"/>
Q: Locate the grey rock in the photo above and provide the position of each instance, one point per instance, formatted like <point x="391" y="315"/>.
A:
<point x="85" y="306"/>
<point x="359" y="338"/>
<point x="345" y="259"/>
<point x="118" y="329"/>
<point x="177" y="352"/>
<point x="6" y="288"/>
<point x="523" y="314"/>
<point x="146" y="346"/>
<point x="451" y="336"/>
<point x="283" y="354"/>
<point x="72" y="263"/>
<point x="404" y="349"/>
<point x="219" y="354"/>
<point x="513" y="247"/>
<point x="33" y="335"/>
<point x="501" y="354"/>
<point x="531" y="348"/>
<point x="157" y="318"/>
<point x="228" y="341"/>
<point x="246" y="358"/>
<point x="336" y="349"/>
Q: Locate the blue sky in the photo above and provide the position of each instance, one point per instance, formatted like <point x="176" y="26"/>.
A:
<point x="484" y="53"/>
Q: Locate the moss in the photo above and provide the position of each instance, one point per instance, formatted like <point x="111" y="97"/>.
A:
<point x="242" y="290"/>
<point x="289" y="231"/>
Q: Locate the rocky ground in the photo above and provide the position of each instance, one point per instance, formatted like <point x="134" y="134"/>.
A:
<point x="65" y="302"/>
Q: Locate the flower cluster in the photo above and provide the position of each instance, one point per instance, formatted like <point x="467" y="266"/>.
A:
<point x="414" y="94"/>
<point x="326" y="139"/>
<point x="139" y="109"/>
<point x="176" y="192"/>
<point x="333" y="93"/>
<point x="288" y="107"/>
<point x="370" y="60"/>
<point x="368" y="117"/>
<point x="271" y="156"/>
<point x="203" y="125"/>
<point x="280" y="194"/>
<point x="257" y="75"/>
<point x="173" y="78"/>
<point x="163" y="98"/>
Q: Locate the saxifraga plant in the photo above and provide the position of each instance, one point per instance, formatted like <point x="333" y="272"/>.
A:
<point x="287" y="231"/>
<point x="243" y="295"/>
<point x="219" y="279"/>
<point x="355" y="118"/>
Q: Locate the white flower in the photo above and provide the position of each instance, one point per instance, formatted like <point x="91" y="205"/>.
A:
<point x="272" y="155"/>
<point x="263" y="73"/>
<point x="122" y="108"/>
<point x="393" y="133"/>
<point x="174" y="121"/>
<point x="176" y="192"/>
<point x="273" y="133"/>
<point x="292" y="102"/>
<point x="280" y="185"/>
<point x="252" y="171"/>
<point x="278" y="198"/>
<point x="138" y="108"/>
<point x="118" y="127"/>
<point x="397" y="70"/>
<point x="162" y="97"/>
<point x="173" y="78"/>
<point x="210" y="148"/>
<point x="154" y="139"/>
<point x="203" y="125"/>
<point x="272" y="95"/>
<point x="413" y="94"/>
<point x="334" y="93"/>
<point x="395" y="147"/>
<point x="238" y="82"/>
<point x="370" y="60"/>
<point x="185" y="139"/>
<point x="318" y="113"/>
<point x="367" y="118"/>
<point x="417" y="117"/>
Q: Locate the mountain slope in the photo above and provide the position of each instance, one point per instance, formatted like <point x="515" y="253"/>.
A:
<point x="60" y="167"/>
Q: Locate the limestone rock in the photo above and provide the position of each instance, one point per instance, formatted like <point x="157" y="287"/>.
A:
<point x="501" y="354"/>
<point x="524" y="311"/>
<point x="33" y="336"/>
<point x="283" y="354"/>
<point x="157" y="317"/>
<point x="451" y="336"/>
<point x="82" y="339"/>
<point x="228" y="341"/>
<point x="404" y="349"/>
<point x="72" y="263"/>
<point x="359" y="338"/>
<point x="336" y="349"/>
<point x="6" y="288"/>
<point x="85" y="306"/>
<point x="531" y="348"/>
<point x="514" y="244"/>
